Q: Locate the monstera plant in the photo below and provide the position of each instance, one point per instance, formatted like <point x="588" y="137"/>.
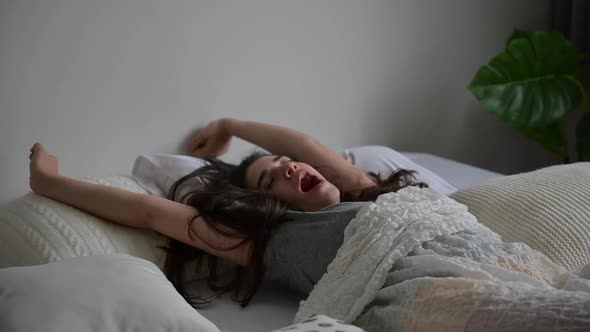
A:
<point x="533" y="86"/>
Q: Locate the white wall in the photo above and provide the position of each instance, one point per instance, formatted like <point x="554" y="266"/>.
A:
<point x="100" y="82"/>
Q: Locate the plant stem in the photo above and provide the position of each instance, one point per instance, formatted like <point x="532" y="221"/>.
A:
<point x="582" y="91"/>
<point x="582" y="73"/>
<point x="584" y="99"/>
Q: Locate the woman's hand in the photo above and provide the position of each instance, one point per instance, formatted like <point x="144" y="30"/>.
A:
<point x="42" y="167"/>
<point x="212" y="141"/>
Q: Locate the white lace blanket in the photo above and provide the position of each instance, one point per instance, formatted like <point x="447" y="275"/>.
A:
<point x="409" y="255"/>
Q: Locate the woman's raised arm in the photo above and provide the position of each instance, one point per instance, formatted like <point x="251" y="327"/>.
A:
<point x="109" y="203"/>
<point x="215" y="138"/>
<point x="131" y="209"/>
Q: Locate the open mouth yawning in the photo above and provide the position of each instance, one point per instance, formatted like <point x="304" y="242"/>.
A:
<point x="308" y="182"/>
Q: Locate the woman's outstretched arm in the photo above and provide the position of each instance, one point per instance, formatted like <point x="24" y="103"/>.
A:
<point x="109" y="203"/>
<point x="130" y="209"/>
<point x="214" y="141"/>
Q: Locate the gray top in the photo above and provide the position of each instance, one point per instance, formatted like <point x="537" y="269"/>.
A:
<point x="301" y="248"/>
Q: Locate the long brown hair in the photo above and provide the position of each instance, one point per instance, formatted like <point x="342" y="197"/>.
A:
<point x="220" y="196"/>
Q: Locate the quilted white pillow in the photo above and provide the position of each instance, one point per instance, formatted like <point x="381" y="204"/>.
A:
<point x="548" y="209"/>
<point x="99" y="293"/>
<point x="37" y="230"/>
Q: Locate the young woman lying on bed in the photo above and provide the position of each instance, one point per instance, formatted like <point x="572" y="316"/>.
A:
<point x="415" y="260"/>
<point x="233" y="211"/>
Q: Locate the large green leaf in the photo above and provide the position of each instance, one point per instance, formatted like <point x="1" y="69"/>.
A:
<point x="583" y="137"/>
<point x="550" y="137"/>
<point x="517" y="33"/>
<point x="530" y="84"/>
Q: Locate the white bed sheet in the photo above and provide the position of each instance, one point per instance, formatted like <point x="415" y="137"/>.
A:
<point x="273" y="308"/>
<point x="458" y="174"/>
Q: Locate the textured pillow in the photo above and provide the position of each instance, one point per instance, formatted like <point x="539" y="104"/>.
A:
<point x="548" y="209"/>
<point x="37" y="230"/>
<point x="384" y="160"/>
<point x="100" y="293"/>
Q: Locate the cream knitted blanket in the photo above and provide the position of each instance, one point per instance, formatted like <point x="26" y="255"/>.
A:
<point x="548" y="209"/>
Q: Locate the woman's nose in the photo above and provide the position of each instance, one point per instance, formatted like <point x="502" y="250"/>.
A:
<point x="291" y="167"/>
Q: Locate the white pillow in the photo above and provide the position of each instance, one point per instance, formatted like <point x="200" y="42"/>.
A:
<point x="157" y="173"/>
<point x="548" y="209"/>
<point x="100" y="293"/>
<point x="37" y="230"/>
<point x="384" y="160"/>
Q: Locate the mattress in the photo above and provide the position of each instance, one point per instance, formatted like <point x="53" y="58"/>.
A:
<point x="273" y="308"/>
<point x="458" y="174"/>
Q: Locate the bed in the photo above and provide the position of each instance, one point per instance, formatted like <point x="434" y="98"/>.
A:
<point x="272" y="308"/>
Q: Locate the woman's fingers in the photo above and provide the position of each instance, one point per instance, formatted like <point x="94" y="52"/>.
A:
<point x="37" y="147"/>
<point x="201" y="144"/>
<point x="198" y="143"/>
<point x="36" y="150"/>
<point x="194" y="144"/>
<point x="203" y="136"/>
<point x="210" y="141"/>
<point x="33" y="151"/>
<point x="195" y="138"/>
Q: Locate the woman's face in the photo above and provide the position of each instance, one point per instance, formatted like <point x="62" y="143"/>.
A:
<point x="296" y="183"/>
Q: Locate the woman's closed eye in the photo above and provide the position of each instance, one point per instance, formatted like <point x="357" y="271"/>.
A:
<point x="270" y="183"/>
<point x="282" y="160"/>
